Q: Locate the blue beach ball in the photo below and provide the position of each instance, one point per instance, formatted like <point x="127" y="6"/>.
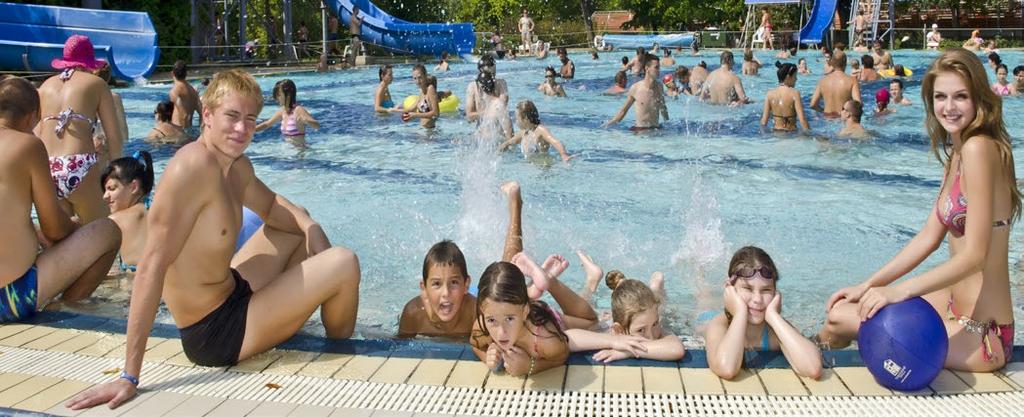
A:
<point x="904" y="345"/>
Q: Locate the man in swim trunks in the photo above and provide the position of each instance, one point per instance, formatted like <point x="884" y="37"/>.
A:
<point x="883" y="59"/>
<point x="649" y="96"/>
<point x="835" y="88"/>
<point x="723" y="86"/>
<point x="526" y="30"/>
<point x="355" y="27"/>
<point x="79" y="259"/>
<point x="185" y="99"/>
<point x="229" y="308"/>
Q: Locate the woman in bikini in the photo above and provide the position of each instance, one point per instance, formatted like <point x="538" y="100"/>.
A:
<point x="783" y="104"/>
<point x="971" y="290"/>
<point x="1002" y="87"/>
<point x="164" y="131"/>
<point x="72" y="103"/>
<point x="427" y="106"/>
<point x="382" y="102"/>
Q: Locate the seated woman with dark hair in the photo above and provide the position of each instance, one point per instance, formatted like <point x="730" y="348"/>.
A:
<point x="164" y="131"/>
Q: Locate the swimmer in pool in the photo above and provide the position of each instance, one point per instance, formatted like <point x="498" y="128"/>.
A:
<point x="835" y="88"/>
<point x="783" y="104"/>
<point x="649" y="96"/>
<point x="533" y="137"/>
<point x="293" y="117"/>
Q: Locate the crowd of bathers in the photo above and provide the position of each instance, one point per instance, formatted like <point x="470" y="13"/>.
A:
<point x="235" y="296"/>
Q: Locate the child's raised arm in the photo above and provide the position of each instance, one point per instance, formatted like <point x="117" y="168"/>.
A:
<point x="803" y="355"/>
<point x="270" y="122"/>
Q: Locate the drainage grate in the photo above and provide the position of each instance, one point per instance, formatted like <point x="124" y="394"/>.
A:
<point x="298" y="389"/>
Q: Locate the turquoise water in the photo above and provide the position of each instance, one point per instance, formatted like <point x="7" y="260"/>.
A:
<point x="677" y="200"/>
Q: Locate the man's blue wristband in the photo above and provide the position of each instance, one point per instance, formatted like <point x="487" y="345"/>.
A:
<point x="132" y="379"/>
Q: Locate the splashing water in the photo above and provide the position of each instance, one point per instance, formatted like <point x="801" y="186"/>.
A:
<point x="481" y="222"/>
<point x="703" y="242"/>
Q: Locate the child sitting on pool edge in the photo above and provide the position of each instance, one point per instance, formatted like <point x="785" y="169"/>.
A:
<point x="753" y="320"/>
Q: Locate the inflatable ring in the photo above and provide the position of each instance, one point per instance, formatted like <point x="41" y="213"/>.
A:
<point x="449" y="105"/>
<point x="890" y="73"/>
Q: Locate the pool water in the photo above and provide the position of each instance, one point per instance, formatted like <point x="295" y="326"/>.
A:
<point x="678" y="200"/>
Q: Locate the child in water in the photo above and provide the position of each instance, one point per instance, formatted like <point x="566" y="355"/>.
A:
<point x="636" y="327"/>
<point x="753" y="320"/>
<point x="533" y="137"/>
<point x="293" y="117"/>
<point x="511" y="331"/>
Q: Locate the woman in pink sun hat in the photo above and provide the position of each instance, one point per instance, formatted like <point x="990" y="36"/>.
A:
<point x="72" y="103"/>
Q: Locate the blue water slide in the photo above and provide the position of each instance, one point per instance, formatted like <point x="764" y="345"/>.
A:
<point x="406" y="38"/>
<point x="31" y="36"/>
<point x="627" y="41"/>
<point x="821" y="19"/>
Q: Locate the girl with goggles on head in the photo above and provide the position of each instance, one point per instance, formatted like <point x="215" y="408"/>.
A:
<point x="753" y="320"/>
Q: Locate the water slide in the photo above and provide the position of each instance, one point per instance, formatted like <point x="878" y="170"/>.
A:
<point x="821" y="19"/>
<point x="402" y="37"/>
<point x="31" y="36"/>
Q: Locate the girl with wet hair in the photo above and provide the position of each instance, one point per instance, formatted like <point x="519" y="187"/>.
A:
<point x="533" y="137"/>
<point x="293" y="117"/>
<point x="971" y="290"/>
<point x="427" y="108"/>
<point x="636" y="328"/>
<point x="163" y="130"/>
<point x="783" y="104"/>
<point x="382" y="102"/>
<point x="753" y="320"/>
<point x="127" y="184"/>
<point x="513" y="332"/>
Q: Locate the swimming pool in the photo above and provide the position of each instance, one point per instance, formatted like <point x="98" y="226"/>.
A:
<point x="677" y="200"/>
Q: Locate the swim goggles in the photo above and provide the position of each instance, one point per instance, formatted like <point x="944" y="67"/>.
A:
<point x="747" y="272"/>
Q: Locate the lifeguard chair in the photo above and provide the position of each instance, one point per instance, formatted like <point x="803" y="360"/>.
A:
<point x="753" y="33"/>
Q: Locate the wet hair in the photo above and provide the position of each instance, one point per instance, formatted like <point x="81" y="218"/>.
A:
<point x="232" y="81"/>
<point x="857" y="110"/>
<point x="550" y="71"/>
<point x="994" y="57"/>
<point x="503" y="282"/>
<point x="838" y="61"/>
<point x="727" y="58"/>
<point x="180" y="70"/>
<point x="648" y="58"/>
<point x="682" y="72"/>
<point x="988" y="120"/>
<point x="1018" y="69"/>
<point x="284" y="92"/>
<point x="383" y="70"/>
<point x="131" y="168"/>
<point x="18" y="99"/>
<point x="785" y="70"/>
<point x="444" y="253"/>
<point x="621" y="78"/>
<point x="752" y="257"/>
<point x="485" y="81"/>
<point x="205" y="82"/>
<point x="432" y="81"/>
<point x="897" y="81"/>
<point x="867" y="61"/>
<point x="899" y="70"/>
<point x="1002" y="67"/>
<point x="164" y="111"/>
<point x="561" y="51"/>
<point x="564" y="59"/>
<point x="748" y="55"/>
<point x="529" y="111"/>
<point x="485" y="61"/>
<point x="703" y="64"/>
<point x="625" y="60"/>
<point x="629" y="298"/>
<point x="804" y="60"/>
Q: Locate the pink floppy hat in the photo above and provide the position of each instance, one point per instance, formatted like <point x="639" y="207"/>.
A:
<point x="78" y="52"/>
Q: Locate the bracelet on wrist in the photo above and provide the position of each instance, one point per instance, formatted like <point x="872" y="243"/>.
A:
<point x="532" y="363"/>
<point x="133" y="379"/>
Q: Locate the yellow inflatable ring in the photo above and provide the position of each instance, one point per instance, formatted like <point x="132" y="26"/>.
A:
<point x="890" y="73"/>
<point x="449" y="105"/>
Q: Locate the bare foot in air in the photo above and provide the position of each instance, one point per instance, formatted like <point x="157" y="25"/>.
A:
<point x="511" y="189"/>
<point x="533" y="271"/>
<point x="555" y="265"/>
<point x="657" y="284"/>
<point x="594" y="272"/>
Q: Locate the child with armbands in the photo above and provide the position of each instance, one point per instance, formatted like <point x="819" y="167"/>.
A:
<point x="636" y="328"/>
<point x="753" y="320"/>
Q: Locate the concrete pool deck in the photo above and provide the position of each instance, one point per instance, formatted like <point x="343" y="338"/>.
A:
<point x="56" y="355"/>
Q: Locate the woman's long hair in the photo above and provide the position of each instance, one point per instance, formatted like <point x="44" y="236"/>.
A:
<point x="503" y="282"/>
<point x="988" y="120"/>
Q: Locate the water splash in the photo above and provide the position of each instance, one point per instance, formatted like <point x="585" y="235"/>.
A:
<point x="703" y="243"/>
<point x="140" y="82"/>
<point x="482" y="220"/>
